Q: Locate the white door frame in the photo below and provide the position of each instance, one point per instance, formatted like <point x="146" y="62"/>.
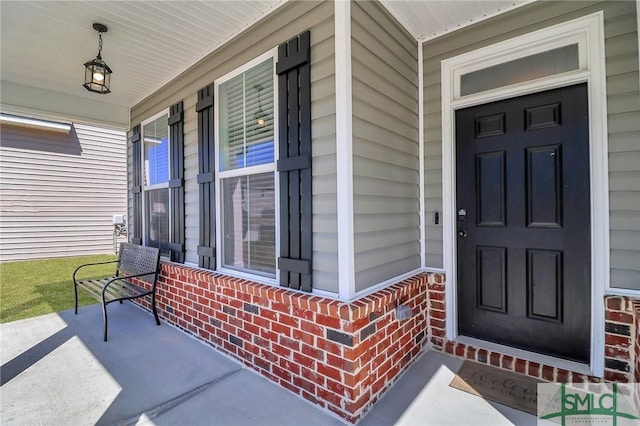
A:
<point x="588" y="33"/>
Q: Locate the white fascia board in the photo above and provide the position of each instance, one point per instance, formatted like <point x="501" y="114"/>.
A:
<point x="35" y="123"/>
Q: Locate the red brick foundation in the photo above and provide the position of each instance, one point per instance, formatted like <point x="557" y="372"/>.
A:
<point x="344" y="356"/>
<point x="340" y="356"/>
<point x="622" y="363"/>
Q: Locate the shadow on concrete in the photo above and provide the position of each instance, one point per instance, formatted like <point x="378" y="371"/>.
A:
<point x="146" y="367"/>
<point x="56" y="369"/>
<point x="422" y="396"/>
<point x="34" y="354"/>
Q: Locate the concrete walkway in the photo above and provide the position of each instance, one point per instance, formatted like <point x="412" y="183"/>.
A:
<point x="56" y="370"/>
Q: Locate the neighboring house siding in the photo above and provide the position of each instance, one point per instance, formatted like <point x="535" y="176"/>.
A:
<point x="623" y="106"/>
<point x="386" y="184"/>
<point x="282" y="25"/>
<point x="59" y="192"/>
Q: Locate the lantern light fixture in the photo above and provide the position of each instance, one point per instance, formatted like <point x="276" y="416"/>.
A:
<point x="97" y="74"/>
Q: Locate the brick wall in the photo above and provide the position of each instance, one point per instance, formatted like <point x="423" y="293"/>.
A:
<point x="621" y="337"/>
<point x="340" y="356"/>
<point x="344" y="356"/>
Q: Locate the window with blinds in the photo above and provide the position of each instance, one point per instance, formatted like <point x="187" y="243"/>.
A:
<point x="246" y="173"/>
<point x="155" y="178"/>
<point x="155" y="137"/>
<point x="246" y="118"/>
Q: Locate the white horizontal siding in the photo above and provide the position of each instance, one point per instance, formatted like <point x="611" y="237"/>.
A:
<point x="623" y="107"/>
<point x="282" y="25"/>
<point x="385" y="146"/>
<point x="59" y="192"/>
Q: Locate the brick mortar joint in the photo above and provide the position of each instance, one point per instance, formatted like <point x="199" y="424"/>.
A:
<point x="348" y="311"/>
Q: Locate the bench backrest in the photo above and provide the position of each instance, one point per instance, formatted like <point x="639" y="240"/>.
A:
<point x="135" y="259"/>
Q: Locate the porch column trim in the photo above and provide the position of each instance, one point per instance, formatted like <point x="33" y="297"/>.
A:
<point x="421" y="204"/>
<point x="344" y="150"/>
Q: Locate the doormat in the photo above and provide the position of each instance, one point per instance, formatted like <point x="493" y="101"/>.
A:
<point x="505" y="387"/>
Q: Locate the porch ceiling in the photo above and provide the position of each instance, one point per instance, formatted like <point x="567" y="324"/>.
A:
<point x="149" y="42"/>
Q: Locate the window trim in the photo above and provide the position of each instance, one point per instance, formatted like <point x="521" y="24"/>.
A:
<point x="147" y="188"/>
<point x="220" y="175"/>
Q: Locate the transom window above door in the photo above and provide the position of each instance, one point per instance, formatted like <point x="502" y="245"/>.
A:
<point x="539" y="65"/>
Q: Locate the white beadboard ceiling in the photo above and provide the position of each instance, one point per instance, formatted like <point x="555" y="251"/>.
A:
<point x="427" y="19"/>
<point x="44" y="44"/>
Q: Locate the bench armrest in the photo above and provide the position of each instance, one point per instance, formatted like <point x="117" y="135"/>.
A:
<point x="91" y="264"/>
<point x="122" y="278"/>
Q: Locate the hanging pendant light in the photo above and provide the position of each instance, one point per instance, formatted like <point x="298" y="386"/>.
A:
<point x="260" y="116"/>
<point x="97" y="74"/>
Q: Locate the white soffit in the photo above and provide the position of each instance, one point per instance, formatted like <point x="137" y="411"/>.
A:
<point x="44" y="44"/>
<point x="428" y="19"/>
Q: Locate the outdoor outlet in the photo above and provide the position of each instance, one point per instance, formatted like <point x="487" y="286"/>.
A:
<point x="403" y="312"/>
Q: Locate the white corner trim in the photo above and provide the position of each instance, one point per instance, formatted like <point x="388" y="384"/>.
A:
<point x="638" y="33"/>
<point x="344" y="151"/>
<point x="422" y="206"/>
<point x="588" y="32"/>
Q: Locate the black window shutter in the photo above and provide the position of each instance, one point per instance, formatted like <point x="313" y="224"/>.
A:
<point x="135" y="222"/>
<point x="294" y="164"/>
<point x="176" y="182"/>
<point x="206" y="179"/>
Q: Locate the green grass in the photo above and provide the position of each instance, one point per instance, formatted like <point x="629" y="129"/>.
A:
<point x="36" y="287"/>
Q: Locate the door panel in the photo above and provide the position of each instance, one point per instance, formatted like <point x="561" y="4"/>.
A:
<point x="523" y="204"/>
<point x="491" y="188"/>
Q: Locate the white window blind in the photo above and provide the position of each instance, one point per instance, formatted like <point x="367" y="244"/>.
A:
<point x="249" y="225"/>
<point x="155" y="137"/>
<point x="247" y="178"/>
<point x="246" y="118"/>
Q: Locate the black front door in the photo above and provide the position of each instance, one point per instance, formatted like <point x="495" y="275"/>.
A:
<point x="523" y="223"/>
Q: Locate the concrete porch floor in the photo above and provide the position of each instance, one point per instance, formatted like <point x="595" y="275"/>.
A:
<point x="56" y="370"/>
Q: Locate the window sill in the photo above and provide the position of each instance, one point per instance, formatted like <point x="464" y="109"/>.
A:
<point x="230" y="273"/>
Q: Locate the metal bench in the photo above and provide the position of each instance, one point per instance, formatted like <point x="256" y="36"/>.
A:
<point x="134" y="261"/>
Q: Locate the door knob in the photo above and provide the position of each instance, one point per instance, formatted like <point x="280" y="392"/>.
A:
<point x="462" y="233"/>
